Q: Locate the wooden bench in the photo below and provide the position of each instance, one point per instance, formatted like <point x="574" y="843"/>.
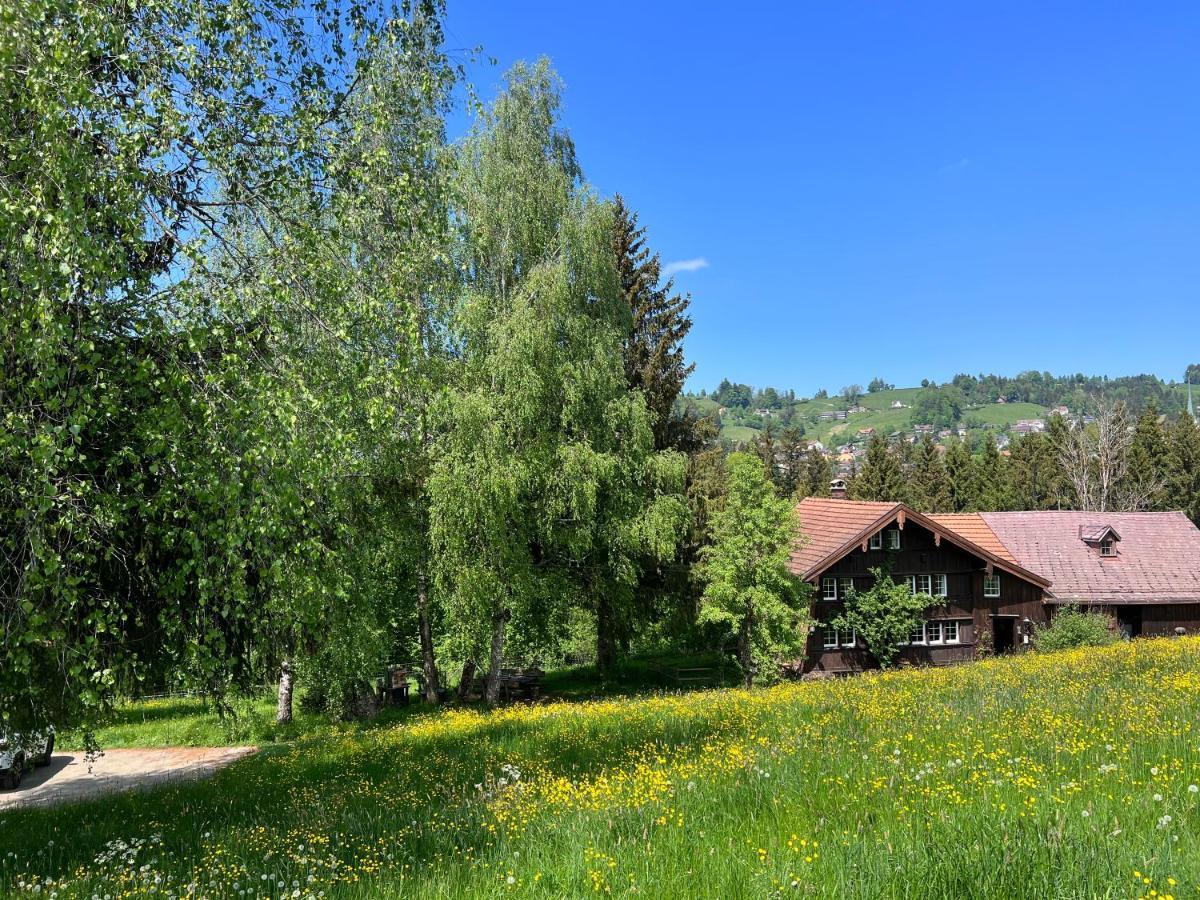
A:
<point x="694" y="675"/>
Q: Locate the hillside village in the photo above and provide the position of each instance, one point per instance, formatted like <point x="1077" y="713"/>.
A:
<point x="840" y="425"/>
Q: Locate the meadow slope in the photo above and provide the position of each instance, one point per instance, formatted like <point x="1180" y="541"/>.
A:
<point x="1058" y="775"/>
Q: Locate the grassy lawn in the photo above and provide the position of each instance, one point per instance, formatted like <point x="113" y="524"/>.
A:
<point x="1065" y="775"/>
<point x="1007" y="413"/>
<point x="737" y="433"/>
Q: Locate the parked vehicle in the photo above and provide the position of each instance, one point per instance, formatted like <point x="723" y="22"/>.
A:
<point x="19" y="752"/>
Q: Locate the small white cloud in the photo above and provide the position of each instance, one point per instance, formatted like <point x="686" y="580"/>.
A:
<point x="685" y="265"/>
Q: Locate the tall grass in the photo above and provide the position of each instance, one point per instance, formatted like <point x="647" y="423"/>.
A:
<point x="1064" y="775"/>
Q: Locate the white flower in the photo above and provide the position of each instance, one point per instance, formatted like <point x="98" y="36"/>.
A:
<point x="1154" y="770"/>
<point x="1192" y="788"/>
<point x="1164" y="821"/>
<point x="1085" y="813"/>
<point x="1158" y="798"/>
<point x="511" y="880"/>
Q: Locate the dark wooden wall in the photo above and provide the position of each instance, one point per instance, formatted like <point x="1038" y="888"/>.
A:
<point x="919" y="554"/>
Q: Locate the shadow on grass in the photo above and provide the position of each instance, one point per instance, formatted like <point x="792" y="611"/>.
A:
<point x="363" y="782"/>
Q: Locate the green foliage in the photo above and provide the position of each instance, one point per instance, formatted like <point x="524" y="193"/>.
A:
<point x="545" y="490"/>
<point x="653" y="350"/>
<point x="1074" y="627"/>
<point x="884" y="615"/>
<point x="165" y="248"/>
<point x="880" y="477"/>
<point x="938" y="406"/>
<point x="750" y="594"/>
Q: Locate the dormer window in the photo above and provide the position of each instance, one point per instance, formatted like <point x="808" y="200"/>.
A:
<point x="1101" y="538"/>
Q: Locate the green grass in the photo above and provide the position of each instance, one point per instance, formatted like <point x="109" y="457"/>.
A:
<point x="1057" y="775"/>
<point x="197" y="722"/>
<point x="1007" y="413"/>
<point x="738" y="433"/>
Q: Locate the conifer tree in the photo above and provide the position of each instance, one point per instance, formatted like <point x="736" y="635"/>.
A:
<point x="989" y="483"/>
<point x="1034" y="476"/>
<point x="815" y="476"/>
<point x="1146" y="476"/>
<point x="653" y="351"/>
<point x="960" y="479"/>
<point x="1183" y="466"/>
<point x="880" y="477"/>
<point x="931" y="493"/>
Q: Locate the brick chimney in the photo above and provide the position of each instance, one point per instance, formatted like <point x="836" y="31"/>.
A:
<point x="837" y="489"/>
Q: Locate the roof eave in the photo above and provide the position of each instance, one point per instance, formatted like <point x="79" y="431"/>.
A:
<point x="954" y="537"/>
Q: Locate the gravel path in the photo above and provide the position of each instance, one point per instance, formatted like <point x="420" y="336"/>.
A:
<point x="69" y="778"/>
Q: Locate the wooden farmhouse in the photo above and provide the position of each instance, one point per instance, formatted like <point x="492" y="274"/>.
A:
<point x="999" y="575"/>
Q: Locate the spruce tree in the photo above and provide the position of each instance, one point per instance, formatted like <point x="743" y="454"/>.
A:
<point x="880" y="477"/>
<point x="1183" y="466"/>
<point x="653" y="351"/>
<point x="960" y="479"/>
<point x="1146" y="477"/>
<point x="931" y="492"/>
<point x="990" y="490"/>
<point x="815" y="476"/>
<point x="1034" y="474"/>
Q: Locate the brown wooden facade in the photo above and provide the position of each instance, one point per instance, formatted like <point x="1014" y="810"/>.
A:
<point x="1005" y="621"/>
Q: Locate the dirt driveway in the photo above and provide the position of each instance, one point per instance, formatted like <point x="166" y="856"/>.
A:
<point x="69" y="777"/>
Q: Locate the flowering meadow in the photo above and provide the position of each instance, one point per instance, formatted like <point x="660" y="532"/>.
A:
<point x="1074" y="774"/>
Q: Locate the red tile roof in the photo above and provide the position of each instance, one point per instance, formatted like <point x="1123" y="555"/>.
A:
<point x="826" y="525"/>
<point x="1157" y="559"/>
<point x="831" y="528"/>
<point x="976" y="530"/>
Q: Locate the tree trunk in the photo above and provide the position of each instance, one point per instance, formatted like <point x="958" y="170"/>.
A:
<point x="464" y="681"/>
<point x="283" y="710"/>
<point x="492" y="693"/>
<point x="745" y="655"/>
<point x="606" y="644"/>
<point x="428" y="660"/>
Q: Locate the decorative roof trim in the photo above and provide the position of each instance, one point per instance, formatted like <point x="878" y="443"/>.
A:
<point x="902" y="512"/>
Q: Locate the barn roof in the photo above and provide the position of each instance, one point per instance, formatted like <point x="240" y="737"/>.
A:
<point x="1157" y="559"/>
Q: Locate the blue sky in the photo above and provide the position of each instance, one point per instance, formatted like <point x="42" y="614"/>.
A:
<point x="907" y="190"/>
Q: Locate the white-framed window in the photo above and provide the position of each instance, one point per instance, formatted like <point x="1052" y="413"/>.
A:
<point x="938" y="586"/>
<point x="836" y="588"/>
<point x="835" y="638"/>
<point x="876" y="542"/>
<point x="920" y="584"/>
<point x="938" y="631"/>
<point x="1108" y="548"/>
<point x="991" y="585"/>
<point x="893" y="538"/>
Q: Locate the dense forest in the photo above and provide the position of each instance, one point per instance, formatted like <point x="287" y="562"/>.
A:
<point x="295" y="385"/>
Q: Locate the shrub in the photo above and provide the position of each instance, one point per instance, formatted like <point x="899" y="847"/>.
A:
<point x="1074" y="627"/>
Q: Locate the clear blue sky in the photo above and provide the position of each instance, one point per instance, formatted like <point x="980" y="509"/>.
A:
<point x="898" y="189"/>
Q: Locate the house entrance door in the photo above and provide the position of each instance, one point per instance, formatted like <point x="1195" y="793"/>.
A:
<point x="1003" y="633"/>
